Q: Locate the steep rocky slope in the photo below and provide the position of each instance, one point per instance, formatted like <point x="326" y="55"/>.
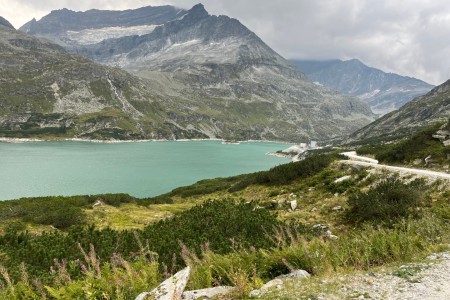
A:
<point x="384" y="92"/>
<point x="215" y="78"/>
<point x="417" y="114"/>
<point x="46" y="92"/>
<point x="5" y="23"/>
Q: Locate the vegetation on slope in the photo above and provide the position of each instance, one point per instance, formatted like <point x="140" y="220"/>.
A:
<point x="418" y="146"/>
<point x="229" y="241"/>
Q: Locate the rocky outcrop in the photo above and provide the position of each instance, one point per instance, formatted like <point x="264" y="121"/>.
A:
<point x="443" y="134"/>
<point x="384" y="92"/>
<point x="173" y="289"/>
<point x="170" y="289"/>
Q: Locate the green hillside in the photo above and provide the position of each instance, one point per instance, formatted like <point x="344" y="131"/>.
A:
<point x="94" y="248"/>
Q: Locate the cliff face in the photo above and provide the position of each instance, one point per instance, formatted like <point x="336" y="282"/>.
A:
<point x="210" y="76"/>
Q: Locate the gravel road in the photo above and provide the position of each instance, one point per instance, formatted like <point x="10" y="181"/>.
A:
<point x="355" y="159"/>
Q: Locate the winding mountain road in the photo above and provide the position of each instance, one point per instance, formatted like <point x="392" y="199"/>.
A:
<point x="355" y="159"/>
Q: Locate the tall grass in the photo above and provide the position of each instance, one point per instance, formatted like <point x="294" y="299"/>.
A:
<point x="362" y="249"/>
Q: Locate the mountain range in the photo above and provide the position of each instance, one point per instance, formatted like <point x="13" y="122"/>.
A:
<point x="418" y="114"/>
<point x="201" y="75"/>
<point x="384" y="92"/>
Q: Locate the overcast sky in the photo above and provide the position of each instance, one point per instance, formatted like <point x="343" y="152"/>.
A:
<point x="409" y="37"/>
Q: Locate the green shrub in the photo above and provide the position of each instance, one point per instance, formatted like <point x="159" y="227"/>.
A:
<point x="363" y="248"/>
<point x="60" y="217"/>
<point x="282" y="174"/>
<point x="418" y="146"/>
<point x="386" y="202"/>
<point x="221" y="224"/>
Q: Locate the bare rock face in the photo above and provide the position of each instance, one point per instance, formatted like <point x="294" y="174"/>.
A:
<point x="210" y="75"/>
<point x="171" y="289"/>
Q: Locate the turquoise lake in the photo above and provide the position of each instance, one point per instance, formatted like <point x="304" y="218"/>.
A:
<point x="139" y="169"/>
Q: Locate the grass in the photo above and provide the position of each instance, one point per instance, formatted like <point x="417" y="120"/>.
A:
<point x="244" y="262"/>
<point x="131" y="215"/>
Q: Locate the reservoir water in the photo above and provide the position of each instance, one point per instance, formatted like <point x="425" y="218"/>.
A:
<point x="139" y="169"/>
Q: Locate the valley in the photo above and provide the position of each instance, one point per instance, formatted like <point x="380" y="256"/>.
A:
<point x="167" y="152"/>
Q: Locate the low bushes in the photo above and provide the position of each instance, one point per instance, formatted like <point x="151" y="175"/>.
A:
<point x="386" y="202"/>
<point x="418" y="146"/>
<point x="61" y="212"/>
<point x="282" y="174"/>
<point x="221" y="224"/>
<point x="361" y="249"/>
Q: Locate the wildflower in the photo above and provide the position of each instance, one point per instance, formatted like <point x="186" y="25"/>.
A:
<point x="288" y="265"/>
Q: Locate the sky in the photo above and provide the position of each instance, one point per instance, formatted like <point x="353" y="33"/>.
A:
<point x="408" y="37"/>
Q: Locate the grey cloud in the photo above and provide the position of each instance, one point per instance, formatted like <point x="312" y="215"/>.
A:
<point x="406" y="37"/>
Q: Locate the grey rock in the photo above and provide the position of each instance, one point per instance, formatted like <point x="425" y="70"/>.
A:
<point x="98" y="202"/>
<point x="293" y="204"/>
<point x="320" y="226"/>
<point x="297" y="274"/>
<point x="207" y="293"/>
<point x="170" y="289"/>
<point x="272" y="284"/>
<point x="330" y="235"/>
<point x="278" y="282"/>
<point x="344" y="178"/>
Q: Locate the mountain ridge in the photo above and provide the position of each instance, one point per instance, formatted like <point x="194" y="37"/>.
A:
<point x="423" y="111"/>
<point x="6" y="23"/>
<point x="213" y="77"/>
<point x="384" y="92"/>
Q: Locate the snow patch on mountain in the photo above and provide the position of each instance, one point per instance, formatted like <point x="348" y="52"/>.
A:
<point x="93" y="36"/>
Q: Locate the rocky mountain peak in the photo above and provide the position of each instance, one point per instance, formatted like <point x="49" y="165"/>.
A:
<point x="195" y="14"/>
<point x="5" y="23"/>
<point x="198" y="9"/>
<point x="209" y="76"/>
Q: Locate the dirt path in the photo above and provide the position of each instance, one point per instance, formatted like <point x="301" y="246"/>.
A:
<point x="426" y="281"/>
<point x="354" y="159"/>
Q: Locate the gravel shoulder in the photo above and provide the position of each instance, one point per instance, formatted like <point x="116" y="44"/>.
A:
<point x="428" y="280"/>
<point x="425" y="281"/>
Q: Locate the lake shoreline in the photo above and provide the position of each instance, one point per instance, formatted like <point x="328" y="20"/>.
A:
<point x="140" y="169"/>
<point x="113" y="141"/>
